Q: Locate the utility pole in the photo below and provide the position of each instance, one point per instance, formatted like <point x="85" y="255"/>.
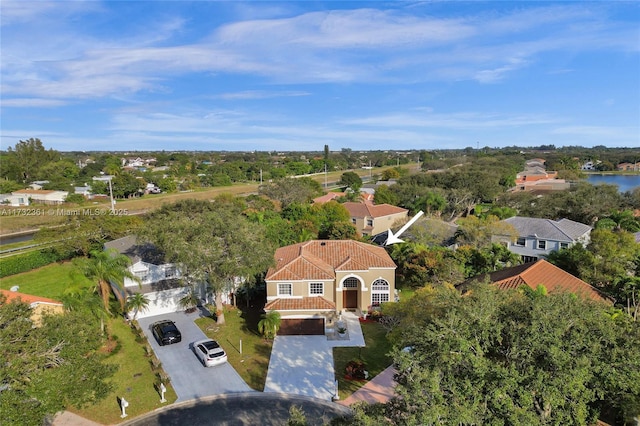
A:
<point x="113" y="207"/>
<point x="325" y="175"/>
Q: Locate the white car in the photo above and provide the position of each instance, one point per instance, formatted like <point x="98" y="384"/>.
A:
<point x="210" y="352"/>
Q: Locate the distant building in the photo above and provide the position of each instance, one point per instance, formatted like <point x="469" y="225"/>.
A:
<point x="42" y="196"/>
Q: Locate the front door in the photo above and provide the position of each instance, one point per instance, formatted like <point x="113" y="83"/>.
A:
<point x="350" y="299"/>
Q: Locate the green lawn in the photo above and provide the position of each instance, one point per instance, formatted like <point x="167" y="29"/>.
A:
<point x="135" y="380"/>
<point x="374" y="356"/>
<point x="242" y="326"/>
<point x="49" y="281"/>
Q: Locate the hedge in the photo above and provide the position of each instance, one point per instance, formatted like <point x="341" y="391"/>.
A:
<point x="26" y="262"/>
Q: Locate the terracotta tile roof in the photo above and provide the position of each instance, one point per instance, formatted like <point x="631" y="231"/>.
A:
<point x="328" y="197"/>
<point x="318" y="303"/>
<point x="319" y="259"/>
<point x="542" y="272"/>
<point x="372" y="210"/>
<point x="28" y="298"/>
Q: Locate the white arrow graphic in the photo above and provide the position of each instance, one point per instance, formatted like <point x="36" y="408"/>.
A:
<point x="392" y="239"/>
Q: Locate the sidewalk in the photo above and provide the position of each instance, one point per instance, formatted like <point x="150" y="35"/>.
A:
<point x="67" y="418"/>
<point x="379" y="389"/>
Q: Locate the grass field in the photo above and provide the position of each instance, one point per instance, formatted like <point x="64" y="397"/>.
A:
<point x="49" y="281"/>
<point x="242" y="326"/>
<point x="374" y="356"/>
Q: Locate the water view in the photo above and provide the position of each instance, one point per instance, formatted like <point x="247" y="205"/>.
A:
<point x="624" y="182"/>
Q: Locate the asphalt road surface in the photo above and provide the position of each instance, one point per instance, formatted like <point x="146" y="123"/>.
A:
<point x="255" y="408"/>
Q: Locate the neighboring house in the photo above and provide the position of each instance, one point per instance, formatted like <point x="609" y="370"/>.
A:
<point x="85" y="191"/>
<point x="628" y="167"/>
<point x="38" y="184"/>
<point x="314" y="281"/>
<point x="39" y="305"/>
<point x="372" y="219"/>
<point x="590" y="165"/>
<point x="14" y="200"/>
<point x="160" y="280"/>
<point x="329" y="196"/>
<point x="535" y="177"/>
<point x="539" y="237"/>
<point x="554" y="279"/>
<point x="42" y="196"/>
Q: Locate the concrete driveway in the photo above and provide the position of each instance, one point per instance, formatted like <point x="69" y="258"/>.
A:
<point x="189" y="377"/>
<point x="303" y="365"/>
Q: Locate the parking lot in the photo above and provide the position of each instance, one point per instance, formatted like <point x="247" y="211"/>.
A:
<point x="189" y="377"/>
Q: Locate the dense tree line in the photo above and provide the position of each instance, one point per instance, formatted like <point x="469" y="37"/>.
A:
<point x="509" y="357"/>
<point x="48" y="368"/>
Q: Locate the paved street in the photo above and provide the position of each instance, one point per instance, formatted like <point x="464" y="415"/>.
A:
<point x="255" y="408"/>
<point x="189" y="377"/>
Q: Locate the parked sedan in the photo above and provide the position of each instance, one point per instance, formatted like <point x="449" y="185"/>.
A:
<point x="166" y="332"/>
<point x="210" y="352"/>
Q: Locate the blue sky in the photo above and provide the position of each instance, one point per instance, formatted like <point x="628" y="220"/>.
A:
<point x="243" y="76"/>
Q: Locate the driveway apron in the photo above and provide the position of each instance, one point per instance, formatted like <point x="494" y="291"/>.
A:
<point x="301" y="365"/>
<point x="189" y="378"/>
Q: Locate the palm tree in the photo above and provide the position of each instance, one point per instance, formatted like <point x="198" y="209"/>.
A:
<point x="138" y="302"/>
<point x="108" y="269"/>
<point x="269" y="324"/>
<point x="85" y="300"/>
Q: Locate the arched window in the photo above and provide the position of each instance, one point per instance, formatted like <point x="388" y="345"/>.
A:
<point x="379" y="291"/>
<point x="351" y="282"/>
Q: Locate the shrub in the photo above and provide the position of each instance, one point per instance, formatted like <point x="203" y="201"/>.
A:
<point x="26" y="262"/>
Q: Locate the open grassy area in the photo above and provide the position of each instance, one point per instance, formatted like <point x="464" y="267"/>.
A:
<point x="374" y="356"/>
<point x="136" y="381"/>
<point x="49" y="281"/>
<point x="242" y="325"/>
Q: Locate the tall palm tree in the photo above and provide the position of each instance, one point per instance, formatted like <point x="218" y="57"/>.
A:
<point x="108" y="268"/>
<point x="138" y="302"/>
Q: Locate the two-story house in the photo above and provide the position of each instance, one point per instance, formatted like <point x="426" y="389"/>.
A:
<point x="372" y="219"/>
<point x="314" y="281"/>
<point x="159" y="280"/>
<point x="539" y="237"/>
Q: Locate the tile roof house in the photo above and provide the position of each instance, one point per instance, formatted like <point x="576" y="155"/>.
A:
<point x="159" y="280"/>
<point x="372" y="219"/>
<point x="554" y="279"/>
<point x="314" y="281"/>
<point x="538" y="237"/>
<point x="39" y="305"/>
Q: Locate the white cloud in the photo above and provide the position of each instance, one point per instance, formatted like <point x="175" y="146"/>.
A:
<point x="260" y="94"/>
<point x="460" y="120"/>
<point x="31" y="103"/>
<point x="362" y="45"/>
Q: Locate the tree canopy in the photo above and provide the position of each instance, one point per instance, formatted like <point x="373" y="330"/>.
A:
<point x="61" y="354"/>
<point x="211" y="242"/>
<point x="510" y="357"/>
